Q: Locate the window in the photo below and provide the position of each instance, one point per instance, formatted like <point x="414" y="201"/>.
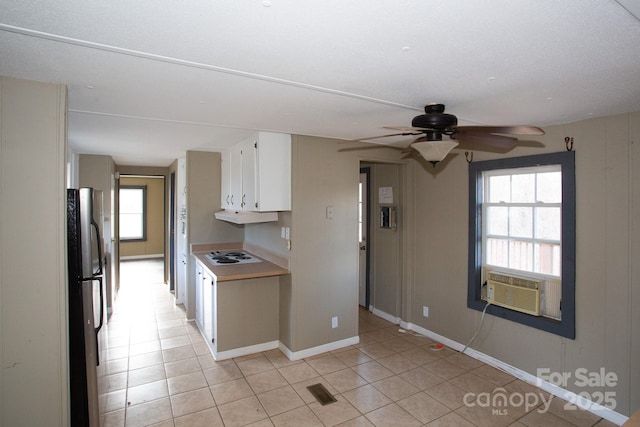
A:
<point x="522" y="223"/>
<point x="133" y="206"/>
<point x="521" y="219"/>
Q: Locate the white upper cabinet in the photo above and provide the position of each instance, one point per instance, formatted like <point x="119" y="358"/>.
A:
<point x="231" y="194"/>
<point x="256" y="174"/>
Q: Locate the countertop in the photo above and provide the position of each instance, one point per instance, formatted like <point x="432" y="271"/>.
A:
<point x="228" y="272"/>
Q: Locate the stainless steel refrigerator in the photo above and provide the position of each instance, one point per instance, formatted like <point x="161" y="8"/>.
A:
<point x="86" y="303"/>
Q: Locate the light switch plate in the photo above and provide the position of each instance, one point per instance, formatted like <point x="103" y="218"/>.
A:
<point x="329" y="212"/>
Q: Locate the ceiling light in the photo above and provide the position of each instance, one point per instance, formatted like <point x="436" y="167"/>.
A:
<point x="434" y="151"/>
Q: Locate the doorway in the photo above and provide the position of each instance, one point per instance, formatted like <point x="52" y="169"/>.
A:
<point x="381" y="264"/>
<point x="142" y="218"/>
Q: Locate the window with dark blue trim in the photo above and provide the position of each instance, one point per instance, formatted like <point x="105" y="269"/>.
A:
<point x="556" y="279"/>
<point x="133" y="213"/>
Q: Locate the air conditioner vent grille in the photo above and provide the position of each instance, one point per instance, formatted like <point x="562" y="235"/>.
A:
<point x="515" y="293"/>
<point x="514" y="280"/>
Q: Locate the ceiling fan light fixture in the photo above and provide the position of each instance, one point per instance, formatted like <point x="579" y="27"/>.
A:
<point x="434" y="151"/>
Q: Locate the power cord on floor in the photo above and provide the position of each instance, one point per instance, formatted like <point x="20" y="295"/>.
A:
<point x="479" y="327"/>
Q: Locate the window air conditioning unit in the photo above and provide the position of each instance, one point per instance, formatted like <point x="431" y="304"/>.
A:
<point x="515" y="293"/>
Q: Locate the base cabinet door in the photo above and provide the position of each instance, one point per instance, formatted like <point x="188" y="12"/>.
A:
<point x="199" y="279"/>
<point x="209" y="307"/>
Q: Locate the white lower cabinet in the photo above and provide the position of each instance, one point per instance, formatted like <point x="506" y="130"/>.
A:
<point x="205" y="303"/>
<point x="209" y="305"/>
<point x="237" y="317"/>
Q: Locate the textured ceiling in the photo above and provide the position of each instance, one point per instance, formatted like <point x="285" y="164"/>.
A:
<point x="150" y="79"/>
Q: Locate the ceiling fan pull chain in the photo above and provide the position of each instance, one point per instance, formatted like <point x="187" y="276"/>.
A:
<point x="568" y="141"/>
<point x="469" y="156"/>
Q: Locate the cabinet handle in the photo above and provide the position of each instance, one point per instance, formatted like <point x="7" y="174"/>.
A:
<point x="232" y="199"/>
<point x="243" y="203"/>
<point x="227" y="199"/>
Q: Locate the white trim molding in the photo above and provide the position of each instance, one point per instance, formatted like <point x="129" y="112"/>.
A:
<point x="313" y="351"/>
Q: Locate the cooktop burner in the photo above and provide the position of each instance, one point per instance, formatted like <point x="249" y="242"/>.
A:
<point x="232" y="257"/>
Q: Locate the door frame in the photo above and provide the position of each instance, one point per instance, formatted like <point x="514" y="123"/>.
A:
<point x="367" y="212"/>
<point x="172" y="231"/>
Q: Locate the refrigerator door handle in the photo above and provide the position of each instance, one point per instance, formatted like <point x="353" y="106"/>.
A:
<point x="99" y="279"/>
<point x="95" y="224"/>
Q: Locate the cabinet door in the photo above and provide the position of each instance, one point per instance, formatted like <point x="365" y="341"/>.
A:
<point x="225" y="193"/>
<point x="199" y="278"/>
<point x="207" y="298"/>
<point x="235" y="174"/>
<point x="249" y="174"/>
<point x="273" y="172"/>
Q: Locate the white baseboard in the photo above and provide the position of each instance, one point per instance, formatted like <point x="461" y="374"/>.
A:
<point x="313" y="351"/>
<point x="134" y="257"/>
<point x="597" y="409"/>
<point x="384" y="315"/>
<point x="244" y="351"/>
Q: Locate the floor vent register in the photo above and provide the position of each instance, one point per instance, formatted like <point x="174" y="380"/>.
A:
<point x="321" y="394"/>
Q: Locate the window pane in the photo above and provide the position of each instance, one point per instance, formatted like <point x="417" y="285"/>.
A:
<point x="498" y="221"/>
<point x="521" y="255"/>
<point x="548" y="223"/>
<point x="550" y="187"/>
<point x="131" y="226"/>
<point x="520" y="222"/>
<point x="499" y="189"/>
<point x="548" y="259"/>
<point x="523" y="188"/>
<point x="497" y="252"/>
<point x="131" y="200"/>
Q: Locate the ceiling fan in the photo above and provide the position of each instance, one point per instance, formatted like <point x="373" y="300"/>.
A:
<point x="434" y="123"/>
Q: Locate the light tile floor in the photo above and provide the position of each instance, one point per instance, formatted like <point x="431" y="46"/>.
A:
<point x="157" y="370"/>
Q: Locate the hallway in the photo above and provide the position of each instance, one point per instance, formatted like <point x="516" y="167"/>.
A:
<point x="156" y="370"/>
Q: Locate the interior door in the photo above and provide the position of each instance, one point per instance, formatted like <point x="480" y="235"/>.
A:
<point x="363" y="226"/>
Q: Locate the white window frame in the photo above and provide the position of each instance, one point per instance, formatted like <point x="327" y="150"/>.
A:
<point x="509" y="238"/>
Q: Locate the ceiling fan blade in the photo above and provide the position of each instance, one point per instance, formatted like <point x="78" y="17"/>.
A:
<point x="389" y="135"/>
<point x="485" y="142"/>
<point x="408" y="129"/>
<point x="515" y="130"/>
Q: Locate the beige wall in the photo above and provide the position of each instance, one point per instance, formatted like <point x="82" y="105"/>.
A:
<point x="324" y="256"/>
<point x="33" y="282"/>
<point x="608" y="247"/>
<point x="434" y="222"/>
<point x="203" y="199"/>
<point x="155" y="241"/>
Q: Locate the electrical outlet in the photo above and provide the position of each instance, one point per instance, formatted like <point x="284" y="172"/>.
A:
<point x="334" y="322"/>
<point x="425" y="311"/>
